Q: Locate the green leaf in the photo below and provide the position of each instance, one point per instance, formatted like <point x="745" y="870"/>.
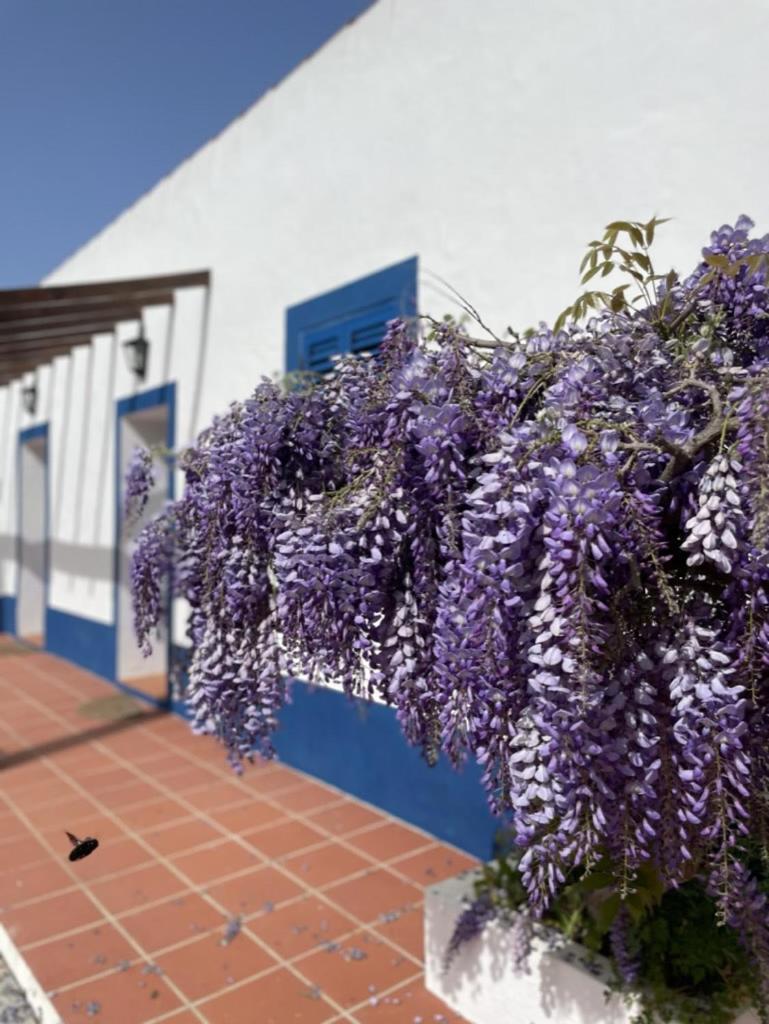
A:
<point x="619" y="225"/>
<point x="754" y="261"/>
<point x="715" y="259"/>
<point x="651" y="226"/>
<point x="590" y="273"/>
<point x="642" y="260"/>
<point x="599" y="878"/>
<point x="635" y="235"/>
<point x="560" y="320"/>
<point x="634" y="273"/>
<point x="606" y="912"/>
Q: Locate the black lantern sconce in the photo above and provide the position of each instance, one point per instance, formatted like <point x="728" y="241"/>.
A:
<point x="136" y="351"/>
<point x="29" y="397"/>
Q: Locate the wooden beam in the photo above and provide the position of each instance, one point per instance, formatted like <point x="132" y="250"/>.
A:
<point x="103" y="311"/>
<point x="9" y="357"/>
<point x="10" y="351"/>
<point x="46" y="309"/>
<point x="121" y="288"/>
<point x="72" y="330"/>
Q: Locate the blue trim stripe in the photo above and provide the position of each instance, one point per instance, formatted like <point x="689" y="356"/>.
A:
<point x="359" y="747"/>
<point x="161" y="395"/>
<point x="8" y="614"/>
<point x="88" y="643"/>
<point x="33" y="433"/>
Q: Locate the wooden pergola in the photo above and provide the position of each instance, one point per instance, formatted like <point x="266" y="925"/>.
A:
<point x="38" y="324"/>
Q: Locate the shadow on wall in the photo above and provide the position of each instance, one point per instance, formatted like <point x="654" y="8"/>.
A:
<point x="91" y="562"/>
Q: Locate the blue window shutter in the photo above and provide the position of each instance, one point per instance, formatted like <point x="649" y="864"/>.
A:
<point x="318" y="347"/>
<point x="366" y="332"/>
<point x="352" y="318"/>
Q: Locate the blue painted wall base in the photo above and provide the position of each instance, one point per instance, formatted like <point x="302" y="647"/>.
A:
<point x="359" y="747"/>
<point x="88" y="643"/>
<point x="7" y="614"/>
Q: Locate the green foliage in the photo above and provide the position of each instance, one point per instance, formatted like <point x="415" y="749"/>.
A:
<point x="693" y="970"/>
<point x="631" y="259"/>
<point x="654" y="291"/>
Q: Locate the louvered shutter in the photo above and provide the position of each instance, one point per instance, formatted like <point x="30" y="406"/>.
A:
<point x="367" y="331"/>
<point x="349" y="319"/>
<point x="319" y="347"/>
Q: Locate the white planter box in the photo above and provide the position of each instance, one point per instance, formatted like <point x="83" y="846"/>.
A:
<point x="483" y="986"/>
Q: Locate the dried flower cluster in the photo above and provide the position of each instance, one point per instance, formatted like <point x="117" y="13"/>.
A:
<point x="550" y="553"/>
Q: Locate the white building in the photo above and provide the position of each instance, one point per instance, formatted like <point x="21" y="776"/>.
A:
<point x="480" y="144"/>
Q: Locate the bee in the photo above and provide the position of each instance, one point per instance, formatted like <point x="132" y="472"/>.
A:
<point x="81" y="847"/>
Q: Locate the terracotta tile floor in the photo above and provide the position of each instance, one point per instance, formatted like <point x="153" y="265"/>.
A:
<point x="269" y="899"/>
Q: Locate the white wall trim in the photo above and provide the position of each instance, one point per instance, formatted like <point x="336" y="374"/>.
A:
<point x="41" y="1006"/>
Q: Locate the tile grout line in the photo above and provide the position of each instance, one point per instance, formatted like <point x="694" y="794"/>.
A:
<point x="218" y="906"/>
<point x="320" y="892"/>
<point x="384" y="994"/>
<point x="311" y="890"/>
<point x="272" y="799"/>
<point x="107" y="915"/>
<point x="304" y="819"/>
<point x="373" y="924"/>
<point x="221" y="775"/>
<point x="290" y="814"/>
<point x="109" y="876"/>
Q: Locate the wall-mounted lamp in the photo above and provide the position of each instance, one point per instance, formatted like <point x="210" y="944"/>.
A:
<point x="136" y="355"/>
<point x="29" y="397"/>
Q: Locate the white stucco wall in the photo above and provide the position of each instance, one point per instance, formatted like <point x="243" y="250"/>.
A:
<point x="492" y="139"/>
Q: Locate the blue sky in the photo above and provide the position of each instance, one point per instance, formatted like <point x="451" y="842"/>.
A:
<point x="101" y="98"/>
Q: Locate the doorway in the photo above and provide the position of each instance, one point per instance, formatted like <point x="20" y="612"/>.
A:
<point x="149" y="426"/>
<point x="31" y="593"/>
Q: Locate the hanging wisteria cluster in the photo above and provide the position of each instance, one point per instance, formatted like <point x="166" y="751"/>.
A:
<point x="139" y="481"/>
<point x="549" y="552"/>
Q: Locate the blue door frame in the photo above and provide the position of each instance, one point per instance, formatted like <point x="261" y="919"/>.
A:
<point x="163" y="395"/>
<point x="37" y="433"/>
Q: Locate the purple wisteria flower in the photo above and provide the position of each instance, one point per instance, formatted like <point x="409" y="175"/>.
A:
<point x="139" y="480"/>
<point x="549" y="553"/>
